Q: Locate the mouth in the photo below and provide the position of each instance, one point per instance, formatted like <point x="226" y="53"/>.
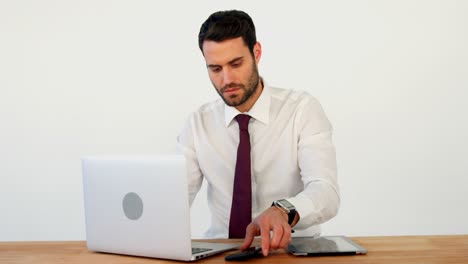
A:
<point x="230" y="90"/>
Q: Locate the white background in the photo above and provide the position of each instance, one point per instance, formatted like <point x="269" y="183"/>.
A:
<point x="94" y="77"/>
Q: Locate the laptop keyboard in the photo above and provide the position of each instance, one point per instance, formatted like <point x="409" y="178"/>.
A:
<point x="199" y="250"/>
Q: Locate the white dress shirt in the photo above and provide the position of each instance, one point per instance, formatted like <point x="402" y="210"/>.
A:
<point x="292" y="155"/>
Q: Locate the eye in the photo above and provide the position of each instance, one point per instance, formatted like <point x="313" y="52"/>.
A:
<point x="215" y="69"/>
<point x="236" y="64"/>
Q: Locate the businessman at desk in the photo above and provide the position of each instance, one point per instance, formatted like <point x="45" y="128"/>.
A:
<point x="266" y="153"/>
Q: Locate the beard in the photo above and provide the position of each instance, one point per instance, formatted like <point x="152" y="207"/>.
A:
<point x="248" y="89"/>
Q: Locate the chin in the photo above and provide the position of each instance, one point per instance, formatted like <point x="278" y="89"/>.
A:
<point x="233" y="104"/>
<point x="231" y="101"/>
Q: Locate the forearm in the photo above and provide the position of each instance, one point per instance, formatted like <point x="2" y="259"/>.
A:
<point x="320" y="199"/>
<point x="318" y="203"/>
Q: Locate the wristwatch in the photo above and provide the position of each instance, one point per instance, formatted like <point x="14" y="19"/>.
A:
<point x="286" y="207"/>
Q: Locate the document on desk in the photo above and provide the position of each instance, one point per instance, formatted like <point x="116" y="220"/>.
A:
<point x="324" y="246"/>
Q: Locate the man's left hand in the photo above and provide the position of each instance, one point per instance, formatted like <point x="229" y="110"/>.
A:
<point x="272" y="219"/>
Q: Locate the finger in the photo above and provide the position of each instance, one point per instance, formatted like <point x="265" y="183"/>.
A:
<point x="286" y="239"/>
<point x="265" y="232"/>
<point x="250" y="234"/>
<point x="277" y="236"/>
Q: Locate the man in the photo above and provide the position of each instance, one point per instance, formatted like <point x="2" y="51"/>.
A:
<point x="266" y="153"/>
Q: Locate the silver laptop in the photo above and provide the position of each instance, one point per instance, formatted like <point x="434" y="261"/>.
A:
<point x="139" y="205"/>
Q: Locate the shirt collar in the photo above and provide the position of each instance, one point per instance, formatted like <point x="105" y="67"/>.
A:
<point x="260" y="110"/>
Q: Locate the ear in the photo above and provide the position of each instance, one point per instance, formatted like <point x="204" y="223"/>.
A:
<point x="257" y="50"/>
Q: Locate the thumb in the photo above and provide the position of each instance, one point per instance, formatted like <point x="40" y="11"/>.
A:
<point x="249" y="237"/>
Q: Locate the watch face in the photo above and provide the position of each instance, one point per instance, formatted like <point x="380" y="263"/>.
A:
<point x="286" y="204"/>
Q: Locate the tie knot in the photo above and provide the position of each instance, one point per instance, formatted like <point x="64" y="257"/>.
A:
<point x="243" y="121"/>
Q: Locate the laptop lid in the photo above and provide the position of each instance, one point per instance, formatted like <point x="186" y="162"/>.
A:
<point x="138" y="205"/>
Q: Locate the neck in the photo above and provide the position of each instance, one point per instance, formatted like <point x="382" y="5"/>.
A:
<point x="245" y="107"/>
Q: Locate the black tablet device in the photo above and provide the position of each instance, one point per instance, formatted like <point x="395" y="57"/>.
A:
<point x="324" y="246"/>
<point x="253" y="252"/>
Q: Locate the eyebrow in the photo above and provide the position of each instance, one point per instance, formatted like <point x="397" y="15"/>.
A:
<point x="229" y="62"/>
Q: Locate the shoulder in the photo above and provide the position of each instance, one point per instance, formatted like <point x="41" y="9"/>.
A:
<point x="300" y="107"/>
<point x="210" y="110"/>
<point x="293" y="97"/>
<point x="206" y="116"/>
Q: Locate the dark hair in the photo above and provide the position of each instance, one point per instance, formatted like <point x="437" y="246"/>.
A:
<point x="223" y="25"/>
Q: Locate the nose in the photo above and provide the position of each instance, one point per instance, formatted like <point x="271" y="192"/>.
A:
<point x="228" y="76"/>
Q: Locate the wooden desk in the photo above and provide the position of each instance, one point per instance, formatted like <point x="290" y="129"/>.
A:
<point x="411" y="249"/>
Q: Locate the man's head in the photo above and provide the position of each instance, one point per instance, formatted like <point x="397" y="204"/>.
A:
<point x="228" y="43"/>
<point x="224" y="25"/>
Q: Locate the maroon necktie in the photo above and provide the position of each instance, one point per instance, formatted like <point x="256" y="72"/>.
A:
<point x="241" y="208"/>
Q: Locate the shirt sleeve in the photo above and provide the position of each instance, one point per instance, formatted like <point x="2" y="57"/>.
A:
<point x="186" y="146"/>
<point x="320" y="199"/>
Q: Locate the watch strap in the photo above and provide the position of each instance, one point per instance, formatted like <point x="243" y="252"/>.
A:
<point x="291" y="214"/>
